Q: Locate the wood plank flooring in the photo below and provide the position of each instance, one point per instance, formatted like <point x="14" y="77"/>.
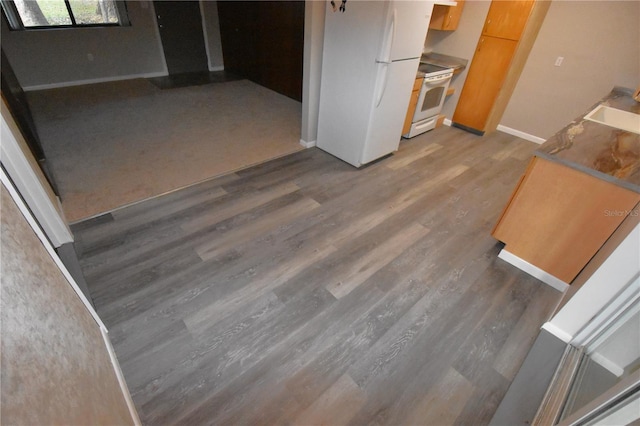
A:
<point x="303" y="291"/>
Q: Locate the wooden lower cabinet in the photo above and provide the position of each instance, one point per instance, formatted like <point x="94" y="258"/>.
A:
<point x="508" y="35"/>
<point x="415" y="94"/>
<point x="559" y="217"/>
<point x="485" y="78"/>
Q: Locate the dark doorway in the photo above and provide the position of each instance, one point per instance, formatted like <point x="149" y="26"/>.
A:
<point x="180" y="25"/>
<point x="263" y="41"/>
<point x="19" y="108"/>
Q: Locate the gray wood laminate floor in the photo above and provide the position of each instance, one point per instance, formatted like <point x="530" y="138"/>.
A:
<point x="304" y="291"/>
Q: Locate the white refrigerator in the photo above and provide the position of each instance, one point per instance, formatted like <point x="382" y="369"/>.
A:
<point x="370" y="58"/>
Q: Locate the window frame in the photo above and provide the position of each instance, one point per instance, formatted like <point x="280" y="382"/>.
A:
<point x="13" y="18"/>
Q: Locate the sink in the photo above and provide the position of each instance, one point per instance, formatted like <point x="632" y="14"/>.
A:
<point x="614" y="117"/>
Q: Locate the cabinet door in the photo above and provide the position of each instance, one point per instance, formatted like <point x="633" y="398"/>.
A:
<point x="487" y="73"/>
<point x="410" y="111"/>
<point x="507" y="19"/>
<point x="558" y="217"/>
<point x="415" y="94"/>
<point x="446" y="18"/>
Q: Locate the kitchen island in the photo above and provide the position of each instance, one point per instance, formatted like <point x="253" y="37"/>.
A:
<point x="579" y="186"/>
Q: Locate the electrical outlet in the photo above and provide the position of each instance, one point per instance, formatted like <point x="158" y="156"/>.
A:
<point x="559" y="60"/>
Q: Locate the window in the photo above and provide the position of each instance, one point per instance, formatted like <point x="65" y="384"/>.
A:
<point x="39" y="14"/>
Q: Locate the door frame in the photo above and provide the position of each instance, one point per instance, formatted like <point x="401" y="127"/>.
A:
<point x="32" y="185"/>
<point x="205" y="34"/>
<point x="558" y="391"/>
<point x="605" y="324"/>
<point x="615" y="397"/>
<point x="314" y="15"/>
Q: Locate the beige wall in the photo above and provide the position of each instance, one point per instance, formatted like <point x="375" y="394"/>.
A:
<point x="461" y="43"/>
<point x="599" y="43"/>
<point x="56" y="368"/>
<point x="48" y="58"/>
<point x="41" y="58"/>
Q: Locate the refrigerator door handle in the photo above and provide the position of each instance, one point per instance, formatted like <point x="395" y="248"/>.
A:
<point x="394" y="18"/>
<point x="385" y="80"/>
<point x="388" y="40"/>
<point x="387" y="62"/>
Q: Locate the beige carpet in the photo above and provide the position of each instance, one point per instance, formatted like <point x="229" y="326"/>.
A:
<point x="113" y="144"/>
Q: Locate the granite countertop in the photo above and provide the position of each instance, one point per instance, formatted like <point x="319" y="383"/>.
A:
<point x="604" y="152"/>
<point x="446" y="61"/>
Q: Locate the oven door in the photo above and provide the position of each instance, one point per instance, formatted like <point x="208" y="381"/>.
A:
<point x="432" y="94"/>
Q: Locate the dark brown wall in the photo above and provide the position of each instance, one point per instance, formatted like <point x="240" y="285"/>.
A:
<point x="16" y="100"/>
<point x="264" y="41"/>
<point x="180" y="27"/>
<point x="13" y="93"/>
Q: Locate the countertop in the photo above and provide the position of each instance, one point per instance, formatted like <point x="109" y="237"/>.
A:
<point x="597" y="149"/>
<point x="441" y="60"/>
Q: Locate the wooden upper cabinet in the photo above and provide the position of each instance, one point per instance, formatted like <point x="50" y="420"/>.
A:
<point x="507" y="19"/>
<point x="484" y="81"/>
<point x="446" y="18"/>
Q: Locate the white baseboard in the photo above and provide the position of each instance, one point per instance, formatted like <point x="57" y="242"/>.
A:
<point x="218" y="68"/>
<point x="533" y="270"/>
<point x="523" y="135"/>
<point x="604" y="362"/>
<point x="92" y="81"/>
<point x="447" y="122"/>
<point x="120" y="377"/>
<point x="306" y="144"/>
<point x="560" y="334"/>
